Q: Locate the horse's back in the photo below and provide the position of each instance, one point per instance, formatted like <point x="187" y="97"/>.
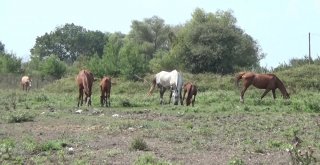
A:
<point x="105" y="83"/>
<point x="85" y="78"/>
<point x="25" y="79"/>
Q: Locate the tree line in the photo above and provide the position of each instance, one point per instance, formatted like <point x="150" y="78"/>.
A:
<point x="208" y="42"/>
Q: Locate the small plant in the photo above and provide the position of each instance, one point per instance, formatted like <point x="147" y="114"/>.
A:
<point x="51" y="145"/>
<point x="6" y="149"/>
<point x="139" y="144"/>
<point x="149" y="160"/>
<point x="42" y="98"/>
<point x="19" y="117"/>
<point x="236" y="161"/>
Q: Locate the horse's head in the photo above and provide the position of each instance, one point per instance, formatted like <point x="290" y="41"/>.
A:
<point x="175" y="95"/>
<point x="30" y="80"/>
<point x="286" y="95"/>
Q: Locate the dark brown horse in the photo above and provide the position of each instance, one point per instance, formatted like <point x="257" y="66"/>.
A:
<point x="261" y="81"/>
<point x="85" y="80"/>
<point x="105" y="88"/>
<point x="190" y="90"/>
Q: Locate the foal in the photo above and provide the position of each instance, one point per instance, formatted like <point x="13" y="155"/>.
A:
<point x="190" y="90"/>
<point x="105" y="87"/>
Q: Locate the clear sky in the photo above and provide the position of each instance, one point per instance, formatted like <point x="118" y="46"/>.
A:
<point x="280" y="27"/>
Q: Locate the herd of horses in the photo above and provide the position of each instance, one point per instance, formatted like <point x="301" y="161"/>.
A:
<point x="172" y="81"/>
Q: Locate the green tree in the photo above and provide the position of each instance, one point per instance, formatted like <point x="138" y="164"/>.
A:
<point x="132" y="60"/>
<point x="111" y="57"/>
<point x="53" y="66"/>
<point x="9" y="63"/>
<point x="211" y="42"/>
<point x="69" y="42"/>
<point x="2" y="47"/>
<point x="150" y="35"/>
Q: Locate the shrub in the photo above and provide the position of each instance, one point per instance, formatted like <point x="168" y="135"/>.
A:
<point x="139" y="144"/>
<point x="19" y="117"/>
<point x="149" y="160"/>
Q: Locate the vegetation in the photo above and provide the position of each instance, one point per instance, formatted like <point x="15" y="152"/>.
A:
<point x="44" y="126"/>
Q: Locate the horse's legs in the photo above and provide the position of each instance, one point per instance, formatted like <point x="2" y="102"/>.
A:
<point x="170" y="97"/>
<point x="80" y="98"/>
<point x="193" y="100"/>
<point x="181" y="100"/>
<point x="242" y="93"/>
<point x="265" y="92"/>
<point x="108" y="98"/>
<point x="184" y="95"/>
<point x="274" y="93"/>
<point x="162" y="90"/>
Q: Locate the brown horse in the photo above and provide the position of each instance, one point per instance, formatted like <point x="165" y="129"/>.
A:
<point x="261" y="81"/>
<point x="26" y="83"/>
<point x="190" y="90"/>
<point x="85" y="80"/>
<point x="105" y="87"/>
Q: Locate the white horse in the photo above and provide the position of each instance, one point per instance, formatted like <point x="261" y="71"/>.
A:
<point x="169" y="80"/>
<point x="26" y="83"/>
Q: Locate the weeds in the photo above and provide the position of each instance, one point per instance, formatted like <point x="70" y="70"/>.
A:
<point x="149" y="160"/>
<point x="20" y="116"/>
<point x="139" y="144"/>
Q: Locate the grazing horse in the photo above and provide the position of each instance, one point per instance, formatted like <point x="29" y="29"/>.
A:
<point x="26" y="83"/>
<point x="168" y="80"/>
<point x="190" y="90"/>
<point x="85" y="80"/>
<point x="105" y="87"/>
<point x="261" y="81"/>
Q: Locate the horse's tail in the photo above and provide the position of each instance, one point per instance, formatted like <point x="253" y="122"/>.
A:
<point x="239" y="77"/>
<point x="152" y="86"/>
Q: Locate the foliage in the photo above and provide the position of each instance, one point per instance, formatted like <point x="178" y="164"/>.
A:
<point x="9" y="63"/>
<point x="132" y="60"/>
<point x="20" y="116"/>
<point x="111" y="56"/>
<point x="6" y="149"/>
<point x="151" y="35"/>
<point x="138" y="144"/>
<point x="163" y="60"/>
<point x="68" y="43"/>
<point x="52" y="66"/>
<point x="149" y="160"/>
<point x="211" y="42"/>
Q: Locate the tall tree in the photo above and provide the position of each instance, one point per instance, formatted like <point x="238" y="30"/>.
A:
<point x="151" y="35"/>
<point x="111" y="55"/>
<point x="211" y="42"/>
<point x="69" y="42"/>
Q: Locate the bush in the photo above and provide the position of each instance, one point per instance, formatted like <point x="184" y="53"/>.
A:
<point x="138" y="144"/>
<point x="53" y="66"/>
<point x="19" y="117"/>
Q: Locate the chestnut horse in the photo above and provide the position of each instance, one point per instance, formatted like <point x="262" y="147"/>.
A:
<point x="26" y="83"/>
<point x="85" y="80"/>
<point x="190" y="90"/>
<point x="261" y="81"/>
<point x="168" y="80"/>
<point x="105" y="88"/>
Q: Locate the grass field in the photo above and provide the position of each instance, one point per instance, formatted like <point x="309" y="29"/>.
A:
<point x="44" y="126"/>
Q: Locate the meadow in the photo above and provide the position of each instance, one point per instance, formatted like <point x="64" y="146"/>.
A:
<point x="44" y="126"/>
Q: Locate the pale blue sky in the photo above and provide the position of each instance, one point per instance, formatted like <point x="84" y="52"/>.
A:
<point x="280" y="27"/>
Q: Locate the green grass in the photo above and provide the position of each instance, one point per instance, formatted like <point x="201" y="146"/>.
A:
<point x="38" y="122"/>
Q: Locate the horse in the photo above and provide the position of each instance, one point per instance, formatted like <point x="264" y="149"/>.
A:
<point x="105" y="88"/>
<point x="261" y="81"/>
<point x="26" y="83"/>
<point x="168" y="80"/>
<point x="189" y="92"/>
<point x="85" y="80"/>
